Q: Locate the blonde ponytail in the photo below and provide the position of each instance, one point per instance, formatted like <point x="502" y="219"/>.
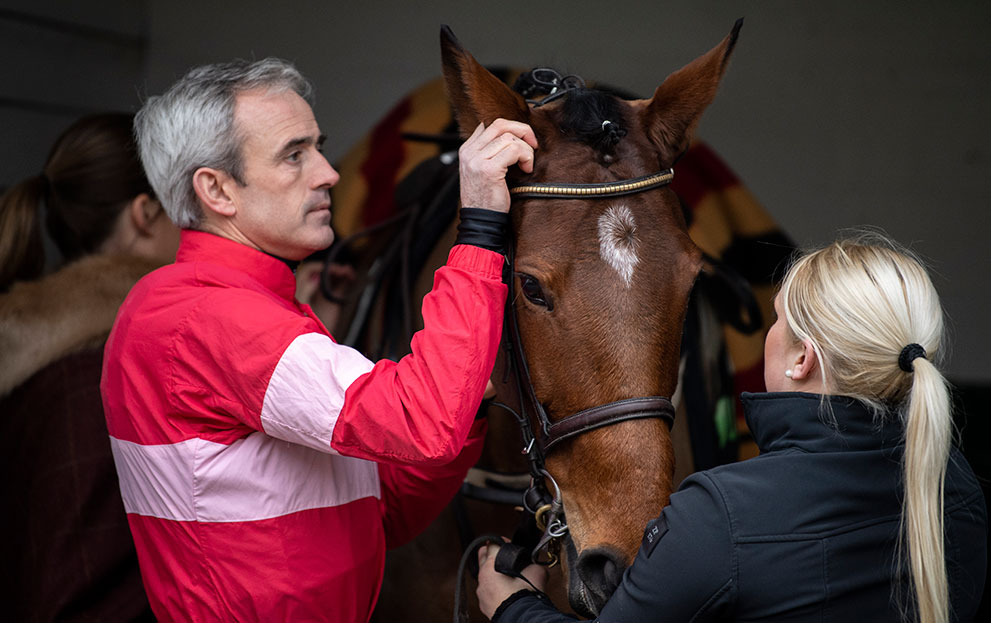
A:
<point x="861" y="302"/>
<point x="927" y="447"/>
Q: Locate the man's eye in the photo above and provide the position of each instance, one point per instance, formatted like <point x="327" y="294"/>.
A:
<point x="294" y="156"/>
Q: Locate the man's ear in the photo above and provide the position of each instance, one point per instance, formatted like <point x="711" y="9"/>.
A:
<point x="212" y="187"/>
<point x="806" y="363"/>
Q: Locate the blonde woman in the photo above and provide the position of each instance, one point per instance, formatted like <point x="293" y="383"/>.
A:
<point x="859" y="507"/>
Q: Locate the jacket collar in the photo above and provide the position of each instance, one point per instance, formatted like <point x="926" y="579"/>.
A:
<point x="62" y="313"/>
<point x="783" y="420"/>
<point x="271" y="272"/>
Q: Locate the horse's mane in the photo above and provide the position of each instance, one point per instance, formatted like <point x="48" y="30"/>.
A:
<point x="593" y="116"/>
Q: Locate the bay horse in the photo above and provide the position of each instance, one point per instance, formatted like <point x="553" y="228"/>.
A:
<point x="601" y="275"/>
<point x="603" y="267"/>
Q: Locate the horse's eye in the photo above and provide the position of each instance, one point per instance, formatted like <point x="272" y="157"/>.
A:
<point x="533" y="292"/>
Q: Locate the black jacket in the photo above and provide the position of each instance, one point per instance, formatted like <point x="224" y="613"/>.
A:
<point x="807" y="531"/>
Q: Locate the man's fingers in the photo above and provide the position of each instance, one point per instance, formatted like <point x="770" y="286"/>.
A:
<point x="501" y="143"/>
<point x="499" y="127"/>
<point x="507" y="150"/>
<point x="525" y="160"/>
<point x="516" y="128"/>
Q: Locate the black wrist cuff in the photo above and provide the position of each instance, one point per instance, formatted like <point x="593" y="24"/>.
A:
<point x="483" y="228"/>
<point x="512" y="599"/>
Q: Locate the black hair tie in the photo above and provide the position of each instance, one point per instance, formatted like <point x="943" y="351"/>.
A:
<point x="908" y="355"/>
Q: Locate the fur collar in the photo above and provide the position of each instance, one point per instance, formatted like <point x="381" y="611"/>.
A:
<point x="63" y="313"/>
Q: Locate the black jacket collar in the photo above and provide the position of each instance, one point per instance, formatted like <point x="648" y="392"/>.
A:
<point x="811" y="423"/>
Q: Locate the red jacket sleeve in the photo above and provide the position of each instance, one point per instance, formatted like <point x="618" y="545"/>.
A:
<point x="419" y="410"/>
<point x="413" y="496"/>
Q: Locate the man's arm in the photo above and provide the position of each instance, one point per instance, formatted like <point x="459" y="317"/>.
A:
<point x="414" y="495"/>
<point x="418" y="410"/>
<point x="442" y="381"/>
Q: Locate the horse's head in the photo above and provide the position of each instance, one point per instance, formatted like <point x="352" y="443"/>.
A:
<point x="601" y="287"/>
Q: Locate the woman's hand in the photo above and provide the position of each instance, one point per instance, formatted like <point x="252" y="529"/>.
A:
<point x="494" y="587"/>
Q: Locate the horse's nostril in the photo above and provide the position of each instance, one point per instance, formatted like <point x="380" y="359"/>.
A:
<point x="601" y="571"/>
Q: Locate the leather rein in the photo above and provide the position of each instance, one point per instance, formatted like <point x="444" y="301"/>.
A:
<point x="548" y="508"/>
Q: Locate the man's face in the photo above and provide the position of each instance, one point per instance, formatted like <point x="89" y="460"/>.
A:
<point x="283" y="208"/>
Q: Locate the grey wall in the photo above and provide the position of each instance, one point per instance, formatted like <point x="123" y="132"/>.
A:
<point x="62" y="60"/>
<point x="835" y="114"/>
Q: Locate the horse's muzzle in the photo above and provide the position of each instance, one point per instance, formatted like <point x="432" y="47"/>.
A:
<point x="593" y="579"/>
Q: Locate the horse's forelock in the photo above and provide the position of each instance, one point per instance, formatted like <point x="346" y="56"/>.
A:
<point x="594" y="117"/>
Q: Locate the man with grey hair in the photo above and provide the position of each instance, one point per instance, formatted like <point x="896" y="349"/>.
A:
<point x="264" y="467"/>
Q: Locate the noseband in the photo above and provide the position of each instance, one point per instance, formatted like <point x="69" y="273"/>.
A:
<point x="548" y="509"/>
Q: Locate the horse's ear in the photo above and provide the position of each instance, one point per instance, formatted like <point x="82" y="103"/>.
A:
<point x="476" y="95"/>
<point x="672" y="114"/>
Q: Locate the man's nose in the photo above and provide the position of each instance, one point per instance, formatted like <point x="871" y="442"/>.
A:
<point x="326" y="174"/>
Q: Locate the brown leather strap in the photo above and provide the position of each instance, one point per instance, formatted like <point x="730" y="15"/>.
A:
<point x="605" y="415"/>
<point x="592" y="191"/>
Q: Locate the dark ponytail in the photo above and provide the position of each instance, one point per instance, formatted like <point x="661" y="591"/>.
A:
<point x="92" y="172"/>
<point x="22" y="252"/>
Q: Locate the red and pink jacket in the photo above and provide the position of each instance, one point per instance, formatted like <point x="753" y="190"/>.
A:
<point x="264" y="467"/>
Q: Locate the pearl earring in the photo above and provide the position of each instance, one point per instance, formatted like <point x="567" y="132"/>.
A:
<point x="788" y="373"/>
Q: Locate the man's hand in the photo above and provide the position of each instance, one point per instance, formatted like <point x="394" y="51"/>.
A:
<point x="487" y="155"/>
<point x="494" y="587"/>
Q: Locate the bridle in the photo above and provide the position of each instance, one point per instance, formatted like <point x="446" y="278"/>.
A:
<point x="593" y="191"/>
<point x="547" y="508"/>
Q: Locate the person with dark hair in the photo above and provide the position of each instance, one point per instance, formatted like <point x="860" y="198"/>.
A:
<point x="264" y="467"/>
<point x="67" y="552"/>
<point x="859" y="507"/>
<point x="95" y="199"/>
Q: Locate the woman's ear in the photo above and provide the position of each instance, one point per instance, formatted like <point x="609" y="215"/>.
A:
<point x="142" y="212"/>
<point x="806" y="364"/>
<point x="212" y="187"/>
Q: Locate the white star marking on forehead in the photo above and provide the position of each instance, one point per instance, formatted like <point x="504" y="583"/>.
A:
<point x="618" y="243"/>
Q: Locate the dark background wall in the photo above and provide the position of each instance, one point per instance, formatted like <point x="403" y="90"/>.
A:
<point x="835" y="114"/>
